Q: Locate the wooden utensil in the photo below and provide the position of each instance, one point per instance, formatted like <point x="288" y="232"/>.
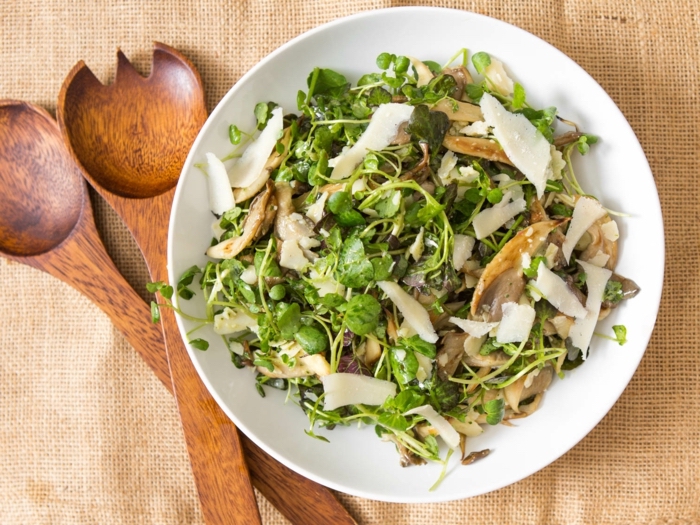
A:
<point x="102" y="127"/>
<point x="47" y="222"/>
<point x="131" y="139"/>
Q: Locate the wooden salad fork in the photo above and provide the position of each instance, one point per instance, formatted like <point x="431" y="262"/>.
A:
<point x="130" y="140"/>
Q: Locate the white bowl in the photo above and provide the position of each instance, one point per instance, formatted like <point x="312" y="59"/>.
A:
<point x="356" y="461"/>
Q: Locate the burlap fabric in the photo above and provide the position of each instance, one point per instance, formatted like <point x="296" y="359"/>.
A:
<point x="89" y="435"/>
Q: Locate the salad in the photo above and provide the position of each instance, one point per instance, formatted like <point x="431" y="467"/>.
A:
<point x="413" y="252"/>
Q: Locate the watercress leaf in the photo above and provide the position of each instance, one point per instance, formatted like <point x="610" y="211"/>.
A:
<point x="328" y="82"/>
<point x="389" y="205"/>
<point x="234" y="134"/>
<point x="445" y="395"/>
<point x="332" y="300"/>
<point x="187" y="277"/>
<point x="494" y="196"/>
<point x="561" y="210"/>
<point x="408" y="399"/>
<point x="339" y="202"/>
<point x="620" y="334"/>
<point x="272" y="269"/>
<point x="494" y="410"/>
<point x="355" y="270"/>
<point x="427" y="212"/>
<point x="288" y="319"/>
<point x="433" y="66"/>
<point x="362" y="314"/>
<point x="531" y="271"/>
<point x="312" y="340"/>
<point x="200" y="344"/>
<point x="518" y="96"/>
<point x="428" y="126"/>
<point x="481" y="61"/>
<point x="155" y="312"/>
<point x="395" y="422"/>
<point x="377" y="96"/>
<point x="416" y="344"/>
<point x="404" y="365"/>
<point x="382" y="267"/>
<point x="474" y="92"/>
<point x="350" y="218"/>
<point x="370" y="78"/>
<point x="384" y="60"/>
<point x="401" y="64"/>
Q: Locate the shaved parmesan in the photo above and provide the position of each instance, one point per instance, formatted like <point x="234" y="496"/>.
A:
<point x="586" y="212"/>
<point x="315" y="211"/>
<point x="476" y="129"/>
<point x="610" y="231"/>
<point x="524" y="145"/>
<point x="381" y="131"/>
<point x="448" y="434"/>
<point x="557" y="292"/>
<point x="232" y="320"/>
<point x="343" y="389"/>
<point x="220" y="192"/>
<point x="423" y="72"/>
<point x="498" y="78"/>
<point x="582" y="330"/>
<point x="325" y="284"/>
<point x="489" y="220"/>
<point x="550" y="254"/>
<point x="463" y="246"/>
<point x="425" y="367"/>
<point x="447" y="164"/>
<point x="473" y="328"/>
<point x="248" y="276"/>
<point x="292" y="256"/>
<point x="599" y="259"/>
<point x="516" y="323"/>
<point x="249" y="166"/>
<point x="412" y="311"/>
<point x="416" y="249"/>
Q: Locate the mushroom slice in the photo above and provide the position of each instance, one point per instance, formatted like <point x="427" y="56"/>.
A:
<point x="289" y="225"/>
<point x="450" y="354"/>
<point x="476" y="147"/>
<point x="253" y="227"/>
<point x="599" y="242"/>
<point x="423" y="72"/>
<point x="527" y="241"/>
<point x="629" y="289"/>
<point x="459" y="111"/>
<point x="305" y="364"/>
<point x="273" y="161"/>
<point x="506" y="288"/>
<point x="462" y="78"/>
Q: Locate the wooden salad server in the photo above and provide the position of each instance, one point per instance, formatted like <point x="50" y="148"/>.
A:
<point x="47" y="222"/>
<point x="130" y="140"/>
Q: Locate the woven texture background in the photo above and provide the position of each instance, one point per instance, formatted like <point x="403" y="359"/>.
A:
<point x="89" y="435"/>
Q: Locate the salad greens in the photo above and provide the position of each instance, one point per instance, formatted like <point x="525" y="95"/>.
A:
<point x="434" y="266"/>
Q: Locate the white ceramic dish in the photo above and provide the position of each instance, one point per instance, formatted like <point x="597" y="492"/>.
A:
<point x="356" y="461"/>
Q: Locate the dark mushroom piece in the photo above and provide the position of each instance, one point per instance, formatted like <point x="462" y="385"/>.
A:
<point x="629" y="289"/>
<point x="462" y="78"/>
<point x="506" y="288"/>
<point x="256" y="224"/>
<point x="476" y="147"/>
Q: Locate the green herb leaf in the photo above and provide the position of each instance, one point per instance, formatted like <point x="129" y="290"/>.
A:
<point x="474" y="92"/>
<point x="378" y="96"/>
<point x="620" y="334"/>
<point x="382" y="267"/>
<point x="428" y="126"/>
<point x="494" y="410"/>
<point x="288" y="319"/>
<point x="395" y="422"/>
<point x="234" y="134"/>
<point x="362" y="314"/>
<point x="313" y="341"/>
<point x="200" y="344"/>
<point x="155" y="312"/>
<point x="531" y="271"/>
<point x="416" y="344"/>
<point x="518" y="96"/>
<point x="404" y="365"/>
<point x="350" y="218"/>
<point x="384" y="60"/>
<point x="613" y="292"/>
<point x="339" y="202"/>
<point x="407" y="399"/>
<point x="481" y="61"/>
<point x="389" y="205"/>
<point x="327" y="82"/>
<point x="355" y="270"/>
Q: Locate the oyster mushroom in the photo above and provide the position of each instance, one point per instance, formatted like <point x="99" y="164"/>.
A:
<point x="456" y="347"/>
<point x="476" y="147"/>
<point x="595" y="241"/>
<point x="459" y="111"/>
<point x="273" y="161"/>
<point x="506" y="288"/>
<point x="256" y="224"/>
<point x="289" y="225"/>
<point x="518" y="391"/>
<point x="629" y="289"/>
<point x="462" y="78"/>
<point x="305" y="364"/>
<point x="527" y="241"/>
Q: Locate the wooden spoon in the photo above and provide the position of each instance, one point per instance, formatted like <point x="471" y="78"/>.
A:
<point x="158" y="118"/>
<point x="46" y="222"/>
